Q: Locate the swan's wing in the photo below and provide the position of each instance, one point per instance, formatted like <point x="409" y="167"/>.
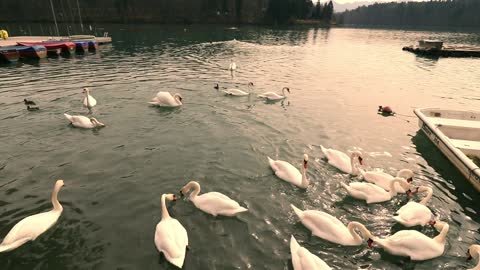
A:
<point x="380" y="179"/>
<point x="215" y="203"/>
<point x="31" y="227"/>
<point x="414" y="214"/>
<point x="323" y="226"/>
<point x="369" y="192"/>
<point x="93" y="101"/>
<point x="339" y="160"/>
<point x="302" y="259"/>
<point x="288" y="172"/>
<point x="171" y="239"/>
<point x="81" y="121"/>
<point x="412" y="244"/>
<point x="165" y="99"/>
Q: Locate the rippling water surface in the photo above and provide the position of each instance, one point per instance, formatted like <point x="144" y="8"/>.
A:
<point x="114" y="176"/>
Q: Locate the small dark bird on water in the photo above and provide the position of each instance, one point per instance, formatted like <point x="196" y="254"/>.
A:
<point x="28" y="102"/>
<point x="32" y="108"/>
<point x="385" y="110"/>
<point x="216" y="86"/>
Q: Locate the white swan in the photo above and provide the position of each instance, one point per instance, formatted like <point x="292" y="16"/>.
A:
<point x="165" y="99"/>
<point x="302" y="259"/>
<point x="474" y="253"/>
<point x="88" y="101"/>
<point x="414" y="244"/>
<point x="289" y="173"/>
<point x="170" y="236"/>
<point x="372" y="193"/>
<point x="83" y="121"/>
<point x="413" y="213"/>
<point x="331" y="229"/>
<point x="232" y="66"/>
<point x="29" y="228"/>
<point x="214" y="203"/>
<point x="237" y="92"/>
<point x="383" y="180"/>
<point x="341" y="161"/>
<point x="275" y="96"/>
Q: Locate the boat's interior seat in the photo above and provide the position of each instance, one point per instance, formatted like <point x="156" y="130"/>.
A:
<point x="464" y="144"/>
<point x="455" y="122"/>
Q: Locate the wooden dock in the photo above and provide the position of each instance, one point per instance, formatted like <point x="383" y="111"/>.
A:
<point x="446" y="51"/>
<point x="12" y="41"/>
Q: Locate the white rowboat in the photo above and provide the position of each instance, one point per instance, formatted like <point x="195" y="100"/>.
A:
<point x="457" y="134"/>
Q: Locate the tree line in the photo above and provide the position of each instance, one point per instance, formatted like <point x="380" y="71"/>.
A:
<point x="287" y="11"/>
<point x="456" y="13"/>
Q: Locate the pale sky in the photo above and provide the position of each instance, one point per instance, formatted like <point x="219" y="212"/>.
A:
<point x="373" y="1"/>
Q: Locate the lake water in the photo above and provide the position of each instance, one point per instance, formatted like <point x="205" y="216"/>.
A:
<point x="115" y="176"/>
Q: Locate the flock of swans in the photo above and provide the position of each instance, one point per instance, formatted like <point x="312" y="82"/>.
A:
<point x="171" y="237"/>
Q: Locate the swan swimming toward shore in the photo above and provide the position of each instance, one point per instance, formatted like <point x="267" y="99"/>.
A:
<point x="341" y="161"/>
<point x="328" y="227"/>
<point x="88" y="101"/>
<point x="83" y="121"/>
<point x="214" y="203"/>
<point x="302" y="259"/>
<point x="274" y="96"/>
<point x="165" y="99"/>
<point x="171" y="238"/>
<point x="289" y="173"/>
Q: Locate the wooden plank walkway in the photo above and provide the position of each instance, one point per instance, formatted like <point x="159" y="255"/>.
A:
<point x="446" y="51"/>
<point x="12" y="41"/>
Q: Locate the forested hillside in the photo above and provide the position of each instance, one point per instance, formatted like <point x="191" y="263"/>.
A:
<point x="459" y="13"/>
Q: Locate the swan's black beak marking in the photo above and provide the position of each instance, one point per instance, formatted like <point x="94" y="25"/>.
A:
<point x="370" y="243"/>
<point x="468" y="254"/>
<point x="360" y="160"/>
<point x="181" y="193"/>
<point x="409" y="193"/>
<point x="409" y="180"/>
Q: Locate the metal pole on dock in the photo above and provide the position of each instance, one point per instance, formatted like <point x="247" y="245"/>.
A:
<point x="80" y="16"/>
<point x="54" y="18"/>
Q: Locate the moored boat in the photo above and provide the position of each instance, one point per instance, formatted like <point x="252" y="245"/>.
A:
<point x="8" y="55"/>
<point x="65" y="47"/>
<point x="456" y="133"/>
<point x="32" y="52"/>
<point x="81" y="46"/>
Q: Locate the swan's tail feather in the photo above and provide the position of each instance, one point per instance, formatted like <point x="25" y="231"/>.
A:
<point x="345" y="186"/>
<point x="362" y="172"/>
<point x="294" y="246"/>
<point x="14" y="245"/>
<point x="397" y="219"/>
<point x="153" y="103"/>
<point x="324" y="150"/>
<point x="262" y="96"/>
<point x="272" y="164"/>
<point x="297" y="211"/>
<point x="242" y="209"/>
<point x="68" y="116"/>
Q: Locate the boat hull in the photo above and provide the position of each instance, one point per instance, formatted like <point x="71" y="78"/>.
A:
<point x="32" y="52"/>
<point x="9" y="55"/>
<point x="445" y="144"/>
<point x="65" y="47"/>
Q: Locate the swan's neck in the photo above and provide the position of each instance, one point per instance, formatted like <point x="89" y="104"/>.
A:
<point x="165" y="214"/>
<point x="477" y="257"/>
<point x="56" y="204"/>
<point x="354" y="166"/>
<point x="177" y="99"/>
<point x="196" y="190"/>
<point x="305" y="181"/>
<point x="355" y="225"/>
<point x="441" y="238"/>
<point x="427" y="199"/>
<point x="283" y="91"/>
<point x="87" y="97"/>
<point x="393" y="190"/>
